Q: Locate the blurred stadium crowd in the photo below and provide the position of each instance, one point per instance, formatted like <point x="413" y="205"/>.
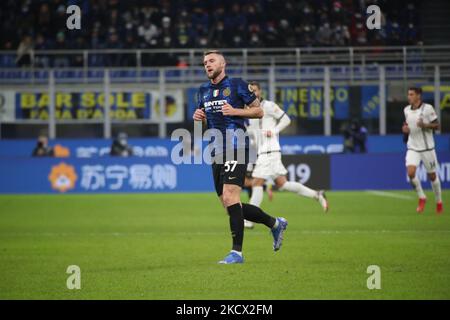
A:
<point x="147" y="24"/>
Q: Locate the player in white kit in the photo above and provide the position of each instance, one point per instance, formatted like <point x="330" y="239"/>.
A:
<point x="420" y="122"/>
<point x="268" y="165"/>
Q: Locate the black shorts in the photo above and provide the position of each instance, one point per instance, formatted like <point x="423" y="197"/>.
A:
<point x="230" y="172"/>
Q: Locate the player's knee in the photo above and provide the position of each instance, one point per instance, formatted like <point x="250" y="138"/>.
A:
<point x="432" y="176"/>
<point x="411" y="174"/>
<point x="280" y="182"/>
<point x="229" y="198"/>
<point x="228" y="201"/>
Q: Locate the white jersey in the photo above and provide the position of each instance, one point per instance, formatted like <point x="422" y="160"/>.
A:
<point x="420" y="139"/>
<point x="258" y="128"/>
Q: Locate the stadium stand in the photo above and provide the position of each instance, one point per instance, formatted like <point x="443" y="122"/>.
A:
<point x="137" y="24"/>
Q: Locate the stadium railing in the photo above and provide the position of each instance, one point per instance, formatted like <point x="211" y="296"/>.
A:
<point x="245" y="56"/>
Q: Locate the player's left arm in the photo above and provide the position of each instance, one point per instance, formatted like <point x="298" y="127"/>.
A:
<point x="434" y="125"/>
<point x="252" y="111"/>
<point x="283" y="119"/>
<point x="248" y="97"/>
<point x="433" y="122"/>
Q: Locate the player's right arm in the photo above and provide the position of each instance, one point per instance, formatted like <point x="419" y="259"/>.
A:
<point x="199" y="114"/>
<point x="405" y="129"/>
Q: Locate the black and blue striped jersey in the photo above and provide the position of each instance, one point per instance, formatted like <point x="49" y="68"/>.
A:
<point x="211" y="97"/>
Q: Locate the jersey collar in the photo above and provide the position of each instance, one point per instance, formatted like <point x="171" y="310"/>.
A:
<point x="418" y="108"/>
<point x="219" y="83"/>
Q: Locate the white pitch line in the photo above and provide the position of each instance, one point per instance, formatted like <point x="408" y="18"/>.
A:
<point x="389" y="195"/>
<point x="200" y="233"/>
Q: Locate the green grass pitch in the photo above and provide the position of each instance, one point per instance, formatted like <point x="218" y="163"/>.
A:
<point x="166" y="246"/>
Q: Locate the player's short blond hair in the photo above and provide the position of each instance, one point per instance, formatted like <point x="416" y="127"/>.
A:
<point x="207" y="52"/>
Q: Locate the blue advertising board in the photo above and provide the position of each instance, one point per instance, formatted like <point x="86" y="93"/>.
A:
<point x="380" y="171"/>
<point x="126" y="175"/>
<point x="103" y="175"/>
<point x="161" y="148"/>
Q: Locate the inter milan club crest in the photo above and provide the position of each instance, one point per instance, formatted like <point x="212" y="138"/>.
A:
<point x="226" y="92"/>
<point x="215" y="93"/>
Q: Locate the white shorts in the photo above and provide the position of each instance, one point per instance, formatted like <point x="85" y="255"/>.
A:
<point x="269" y="166"/>
<point x="429" y="159"/>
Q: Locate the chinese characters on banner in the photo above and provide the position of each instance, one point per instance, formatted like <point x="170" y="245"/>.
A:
<point x="136" y="177"/>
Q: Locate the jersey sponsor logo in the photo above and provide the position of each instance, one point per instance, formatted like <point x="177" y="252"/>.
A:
<point x="214" y="103"/>
<point x="226" y="92"/>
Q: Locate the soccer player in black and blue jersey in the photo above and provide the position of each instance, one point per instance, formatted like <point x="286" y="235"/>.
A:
<point x="224" y="103"/>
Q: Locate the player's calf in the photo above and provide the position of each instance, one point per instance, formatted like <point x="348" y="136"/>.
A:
<point x="303" y="190"/>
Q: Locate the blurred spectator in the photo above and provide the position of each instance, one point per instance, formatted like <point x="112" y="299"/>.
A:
<point x="271" y="35"/>
<point x="129" y="59"/>
<point x="340" y="36"/>
<point x="235" y="19"/>
<point x="307" y="15"/>
<point x="338" y="15"/>
<point x="59" y="17"/>
<point x="147" y="34"/>
<point x="44" y="19"/>
<point x="24" y="52"/>
<point x="360" y="34"/>
<point x="168" y="59"/>
<point x="184" y="35"/>
<point x="120" y="147"/>
<point x="394" y="33"/>
<point x="355" y="137"/>
<point x="79" y="44"/>
<point x="61" y="61"/>
<point x="287" y="31"/>
<point x="411" y="34"/>
<point x="113" y="59"/>
<point x="308" y="37"/>
<point x="166" y="29"/>
<point x="217" y="35"/>
<point x="42" y="60"/>
<point x="42" y="149"/>
<point x="323" y="36"/>
<point x="200" y="18"/>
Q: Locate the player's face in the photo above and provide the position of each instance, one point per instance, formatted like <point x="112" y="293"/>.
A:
<point x="214" y="65"/>
<point x="413" y="97"/>
<point x="256" y="91"/>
